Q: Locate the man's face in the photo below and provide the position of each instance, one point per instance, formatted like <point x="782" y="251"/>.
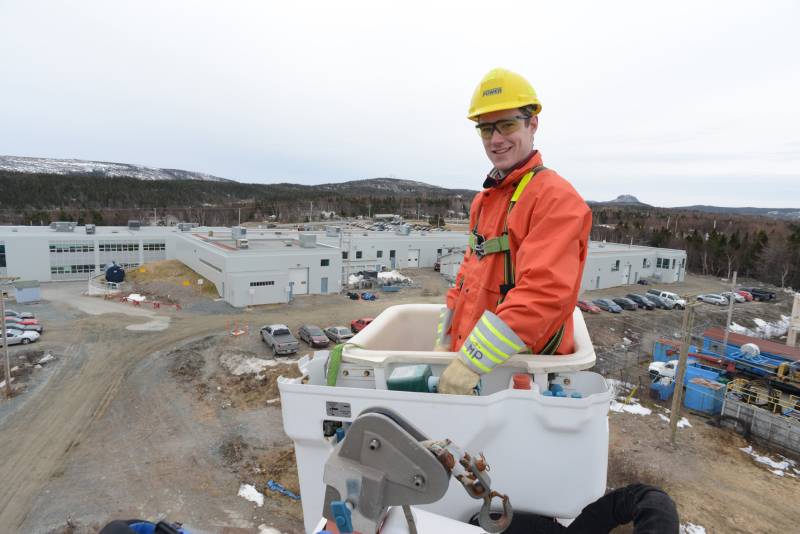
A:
<point x="505" y="151"/>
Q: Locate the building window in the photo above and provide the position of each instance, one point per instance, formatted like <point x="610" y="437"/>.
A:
<point x="58" y="248"/>
<point x="324" y="263"/>
<point x="658" y="263"/>
<point x="154" y="246"/>
<point x="673" y="263"/>
<point x="438" y="252"/>
<point x="2" y="255"/>
<point x="358" y="254"/>
<point x="616" y="266"/>
<point x="683" y="262"/>
<point x="119" y="247"/>
<point x="644" y="263"/>
<point x="261" y="284"/>
<point x="344" y="255"/>
<point x="379" y="254"/>
<point x="391" y="253"/>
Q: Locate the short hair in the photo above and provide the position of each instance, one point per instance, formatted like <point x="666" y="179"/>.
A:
<point x="527" y="111"/>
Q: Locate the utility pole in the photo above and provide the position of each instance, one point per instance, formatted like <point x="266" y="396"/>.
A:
<point x="677" y="395"/>
<point x="731" y="300"/>
<point x="240" y="216"/>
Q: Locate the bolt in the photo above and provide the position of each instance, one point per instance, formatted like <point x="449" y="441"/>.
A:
<point x="374" y="444"/>
<point x="418" y="481"/>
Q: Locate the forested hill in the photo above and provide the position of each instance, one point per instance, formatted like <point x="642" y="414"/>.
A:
<point x="32" y="197"/>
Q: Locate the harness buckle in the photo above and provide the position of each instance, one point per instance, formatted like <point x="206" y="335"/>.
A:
<point x="477" y="247"/>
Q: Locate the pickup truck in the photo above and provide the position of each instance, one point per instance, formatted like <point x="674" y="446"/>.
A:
<point x="279" y="338"/>
<point x="759" y="293"/>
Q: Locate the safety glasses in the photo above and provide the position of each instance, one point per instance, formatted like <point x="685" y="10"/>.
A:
<point x="503" y="127"/>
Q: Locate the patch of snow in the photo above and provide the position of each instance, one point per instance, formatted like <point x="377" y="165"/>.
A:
<point x="634" y="408"/>
<point x="264" y="529"/>
<point x="249" y="492"/>
<point x="683" y="423"/>
<point x="238" y="364"/>
<point x="135" y="297"/>
<point x="691" y="528"/>
<point x="626" y="341"/>
<point x="354" y="279"/>
<point x="764" y="329"/>
<point x="46" y="358"/>
<point x="776" y="467"/>
<point x="274" y="401"/>
<point x="393" y="276"/>
<point x="663" y="417"/>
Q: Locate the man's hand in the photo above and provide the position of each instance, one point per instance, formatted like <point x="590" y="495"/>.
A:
<point x="458" y="379"/>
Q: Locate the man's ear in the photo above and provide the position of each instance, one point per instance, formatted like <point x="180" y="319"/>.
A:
<point x="534" y="123"/>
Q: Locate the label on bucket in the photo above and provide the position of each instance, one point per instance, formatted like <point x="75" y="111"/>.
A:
<point x="337" y="409"/>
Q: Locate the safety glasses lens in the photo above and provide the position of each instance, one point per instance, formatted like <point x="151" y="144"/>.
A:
<point x="485" y="130"/>
<point x="508" y="126"/>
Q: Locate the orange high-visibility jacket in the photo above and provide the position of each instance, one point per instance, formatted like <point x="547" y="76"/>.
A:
<point x="549" y="239"/>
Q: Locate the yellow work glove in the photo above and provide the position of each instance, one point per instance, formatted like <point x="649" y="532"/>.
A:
<point x="458" y="379"/>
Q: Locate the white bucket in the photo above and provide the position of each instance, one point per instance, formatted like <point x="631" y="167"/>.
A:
<point x="549" y="454"/>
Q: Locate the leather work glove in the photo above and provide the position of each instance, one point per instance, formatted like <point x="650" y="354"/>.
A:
<point x="490" y="343"/>
<point x="458" y="379"/>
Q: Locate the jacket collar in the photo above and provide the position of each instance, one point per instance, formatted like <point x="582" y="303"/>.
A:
<point x="499" y="179"/>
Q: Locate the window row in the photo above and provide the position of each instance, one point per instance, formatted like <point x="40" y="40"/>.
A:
<point x="69" y="269"/>
<point x="58" y="248"/>
<point x="360" y="254"/>
<point x="154" y="246"/>
<point x="260" y="284"/>
<point x="118" y="247"/>
<point x="663" y="263"/>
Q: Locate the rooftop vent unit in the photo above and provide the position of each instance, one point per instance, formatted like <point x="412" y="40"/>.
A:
<point x="403" y="230"/>
<point x="90" y="229"/>
<point x="134" y="225"/>
<point x="242" y="244"/>
<point x="238" y="232"/>
<point x="186" y="226"/>
<point x="332" y="231"/>
<point x="63" y="226"/>
<point x="308" y="240"/>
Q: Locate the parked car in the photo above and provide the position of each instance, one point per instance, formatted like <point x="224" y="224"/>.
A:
<point x="279" y="339"/>
<point x="588" y="307"/>
<point x="759" y="293"/>
<point x="713" y="298"/>
<point x="661" y="303"/>
<point x="735" y="296"/>
<point x="18" y="315"/>
<point x="16" y="320"/>
<point x="437" y="266"/>
<point x="26" y="327"/>
<point x="607" y="305"/>
<point x="352" y="296"/>
<point x="642" y="301"/>
<point x="674" y="297"/>
<point x="643" y="282"/>
<point x="313" y="335"/>
<point x="625" y="304"/>
<point x="368" y="295"/>
<point x="746" y="294"/>
<point x="338" y="334"/>
<point x="358" y="325"/>
<point x="17" y="337"/>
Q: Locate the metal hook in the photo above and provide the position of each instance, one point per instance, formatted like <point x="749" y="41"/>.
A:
<point x="485" y="519"/>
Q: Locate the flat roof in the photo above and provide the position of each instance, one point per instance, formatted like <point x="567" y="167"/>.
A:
<point x="283" y="246"/>
<point x="600" y="247"/>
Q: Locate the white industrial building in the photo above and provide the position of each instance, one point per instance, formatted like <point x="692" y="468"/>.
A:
<point x="615" y="264"/>
<point x="247" y="266"/>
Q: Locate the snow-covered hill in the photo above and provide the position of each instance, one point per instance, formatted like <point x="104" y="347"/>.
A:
<point x="102" y="168"/>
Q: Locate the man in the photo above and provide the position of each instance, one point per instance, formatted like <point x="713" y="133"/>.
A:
<point x="519" y="281"/>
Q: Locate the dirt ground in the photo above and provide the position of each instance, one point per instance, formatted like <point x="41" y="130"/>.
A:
<point x="155" y="423"/>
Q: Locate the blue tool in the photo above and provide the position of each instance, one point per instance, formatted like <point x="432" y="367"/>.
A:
<point x="274" y="486"/>
<point x="342" y="517"/>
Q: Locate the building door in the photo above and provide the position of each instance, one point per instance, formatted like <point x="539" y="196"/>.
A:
<point x="597" y="283"/>
<point x="393" y="259"/>
<point x="300" y="279"/>
<point x="413" y="257"/>
<point x="628" y="274"/>
<point x="323" y="285"/>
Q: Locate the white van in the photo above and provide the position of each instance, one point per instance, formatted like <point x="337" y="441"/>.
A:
<point x="674" y="297"/>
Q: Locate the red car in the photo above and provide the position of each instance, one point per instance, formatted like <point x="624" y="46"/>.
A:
<point x="588" y="307"/>
<point x="358" y="325"/>
<point x="14" y="320"/>
<point x="746" y="294"/>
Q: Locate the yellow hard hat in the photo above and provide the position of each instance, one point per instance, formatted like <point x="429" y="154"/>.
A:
<point x="502" y="89"/>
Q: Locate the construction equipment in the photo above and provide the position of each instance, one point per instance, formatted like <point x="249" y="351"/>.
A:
<point x="555" y="430"/>
<point x="384" y="461"/>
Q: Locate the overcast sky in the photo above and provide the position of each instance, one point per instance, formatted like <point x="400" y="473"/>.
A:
<point x="680" y="103"/>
